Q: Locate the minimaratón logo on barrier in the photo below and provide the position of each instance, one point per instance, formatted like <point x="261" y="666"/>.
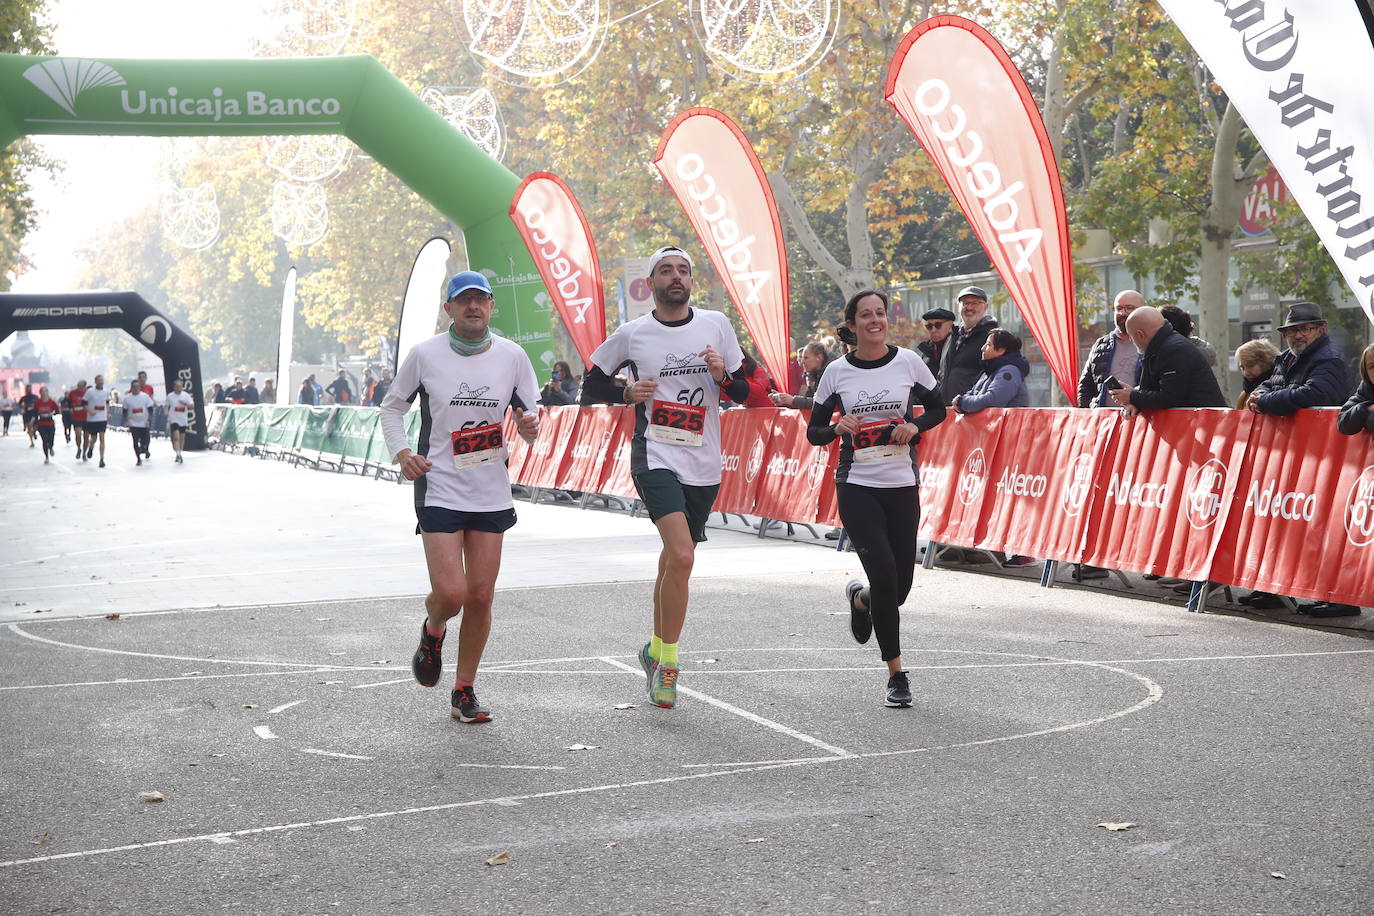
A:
<point x="1203" y="493"/>
<point x="815" y="474"/>
<point x="1359" y="509"/>
<point x="1078" y="484"/>
<point x="974" y="477"/>
<point x="751" y="470"/>
<point x="65" y="79"/>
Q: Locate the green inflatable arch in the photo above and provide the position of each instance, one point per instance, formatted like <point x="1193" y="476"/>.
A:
<point x="354" y="96"/>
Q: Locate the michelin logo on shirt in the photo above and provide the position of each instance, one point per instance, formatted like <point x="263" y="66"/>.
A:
<point x="472" y="397"/>
<point x="868" y="403"/>
<point x="691" y="364"/>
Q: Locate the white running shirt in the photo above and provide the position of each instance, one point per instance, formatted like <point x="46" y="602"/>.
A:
<point x="680" y="428"/>
<point x="179" y="407"/>
<point x="880" y="394"/>
<point x="461" y="399"/>
<point x="138" y="410"/>
<point x="97" y="404"/>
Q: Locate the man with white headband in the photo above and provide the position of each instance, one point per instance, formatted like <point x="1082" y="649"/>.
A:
<point x="465" y="379"/>
<point x="678" y="360"/>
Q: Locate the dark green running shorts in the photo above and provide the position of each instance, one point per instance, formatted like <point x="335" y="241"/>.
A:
<point x="663" y="494"/>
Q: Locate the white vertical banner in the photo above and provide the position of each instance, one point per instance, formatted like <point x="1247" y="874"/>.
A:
<point x="285" y="393"/>
<point x="424" y="295"/>
<point x="1298" y="71"/>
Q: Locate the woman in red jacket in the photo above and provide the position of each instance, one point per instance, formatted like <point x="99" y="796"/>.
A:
<point x="47" y="409"/>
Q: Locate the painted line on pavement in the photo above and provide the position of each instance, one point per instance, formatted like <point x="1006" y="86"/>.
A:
<point x="283" y="707"/>
<point x="743" y="713"/>
<point x="263" y="732"/>
<point x="320" y="753"/>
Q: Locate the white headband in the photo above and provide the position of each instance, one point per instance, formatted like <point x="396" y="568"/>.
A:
<point x="665" y="252"/>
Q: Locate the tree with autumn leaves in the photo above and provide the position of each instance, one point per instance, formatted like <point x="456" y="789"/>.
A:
<point x="1149" y="149"/>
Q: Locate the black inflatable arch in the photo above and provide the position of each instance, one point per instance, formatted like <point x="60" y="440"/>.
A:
<point x="179" y="352"/>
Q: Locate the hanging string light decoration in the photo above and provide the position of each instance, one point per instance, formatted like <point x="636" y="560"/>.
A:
<point x="308" y="157"/>
<point x="473" y="111"/>
<point x="533" y="42"/>
<point x="300" y="213"/>
<point x="190" y="216"/>
<point x="304" y="28"/>
<point x="766" y="40"/>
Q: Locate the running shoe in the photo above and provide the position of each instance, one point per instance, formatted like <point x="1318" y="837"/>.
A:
<point x="898" y="691"/>
<point x="102" y="462"/>
<point x="467" y="709"/>
<point x="429" y="658"/>
<point x="646" y="661"/>
<point x="860" y="619"/>
<point x="663" y="687"/>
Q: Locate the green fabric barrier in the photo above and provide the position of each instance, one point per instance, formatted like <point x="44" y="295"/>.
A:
<point x="351" y="95"/>
<point x="319" y="423"/>
<point x="354" y="430"/>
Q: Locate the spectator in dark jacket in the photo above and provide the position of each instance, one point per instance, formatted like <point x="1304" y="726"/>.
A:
<point x="1183" y="324"/>
<point x="815" y="356"/>
<point x="1112" y="355"/>
<point x="1358" y="412"/>
<point x="307" y="393"/>
<point x="1256" y="360"/>
<point x="1003" y="382"/>
<point x="936" y="347"/>
<point x="966" y="356"/>
<point x="1310" y="373"/>
<point x="339" y="389"/>
<point x="1173" y="372"/>
<point x="380" y="389"/>
<point x="561" y="388"/>
<point x="251" y="395"/>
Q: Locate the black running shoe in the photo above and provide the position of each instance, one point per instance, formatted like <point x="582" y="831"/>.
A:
<point x="898" y="690"/>
<point x="429" y="658"/>
<point x="467" y="709"/>
<point x="860" y="619"/>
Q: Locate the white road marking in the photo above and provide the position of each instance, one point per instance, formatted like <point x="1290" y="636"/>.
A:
<point x="311" y="750"/>
<point x="399" y="680"/>
<point x="283" y="707"/>
<point x="503" y="766"/>
<point x="14" y="628"/>
<point x="222" y="840"/>
<point x="743" y="713"/>
<point x="161" y="680"/>
<point x="263" y="732"/>
<point x="155" y="545"/>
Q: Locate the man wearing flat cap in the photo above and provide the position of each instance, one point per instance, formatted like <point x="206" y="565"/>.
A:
<point x="1310" y="373"/>
<point x="965" y="363"/>
<point x="936" y="347"/>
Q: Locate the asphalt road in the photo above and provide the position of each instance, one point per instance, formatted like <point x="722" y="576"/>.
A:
<point x="302" y="770"/>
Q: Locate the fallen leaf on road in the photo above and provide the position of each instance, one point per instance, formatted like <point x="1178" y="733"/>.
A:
<point x="112" y="616"/>
<point x="250" y="706"/>
<point x="1123" y="825"/>
<point x="608" y="845"/>
<point x="1273" y="874"/>
<point x="582" y="747"/>
<point x="40" y="840"/>
<point x="152" y="796"/>
<point x="625" y="706"/>
<point x="501" y="858"/>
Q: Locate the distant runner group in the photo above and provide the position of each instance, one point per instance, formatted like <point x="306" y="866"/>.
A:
<point x="85" y="413"/>
<point x="672" y="365"/>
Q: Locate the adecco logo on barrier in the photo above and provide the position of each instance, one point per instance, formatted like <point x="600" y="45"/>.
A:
<point x="751" y="470"/>
<point x="974" y="477"/>
<point x="1359" y="509"/>
<point x="1078" y="483"/>
<point x="1203" y="493"/>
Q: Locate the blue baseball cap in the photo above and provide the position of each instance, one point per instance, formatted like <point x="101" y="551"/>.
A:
<point x="468" y="279"/>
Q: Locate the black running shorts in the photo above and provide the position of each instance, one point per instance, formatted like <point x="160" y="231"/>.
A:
<point x="95" y="428"/>
<point x="438" y="520"/>
<point x="663" y="494"/>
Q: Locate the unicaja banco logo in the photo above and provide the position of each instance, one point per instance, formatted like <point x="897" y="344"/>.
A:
<point x="63" y="79"/>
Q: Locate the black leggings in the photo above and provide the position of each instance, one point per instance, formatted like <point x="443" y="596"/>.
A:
<point x="882" y="524"/>
<point x="140" y="437"/>
<point x="46" y="433"/>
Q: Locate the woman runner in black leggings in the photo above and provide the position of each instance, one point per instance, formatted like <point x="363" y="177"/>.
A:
<point x="874" y="389"/>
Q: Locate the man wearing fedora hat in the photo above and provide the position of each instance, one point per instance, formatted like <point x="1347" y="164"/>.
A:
<point x="1310" y="373"/>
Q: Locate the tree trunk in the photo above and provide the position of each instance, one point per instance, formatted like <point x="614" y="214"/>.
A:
<point x="1218" y="225"/>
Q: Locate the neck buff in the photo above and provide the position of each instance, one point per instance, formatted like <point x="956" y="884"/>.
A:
<point x="464" y="347"/>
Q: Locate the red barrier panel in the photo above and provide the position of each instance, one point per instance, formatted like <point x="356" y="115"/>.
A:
<point x="1303" y="523"/>
<point x="1164" y="492"/>
<point x="544" y="461"/>
<point x="584" y="467"/>
<point x="794" y="473"/>
<point x="955" y="459"/>
<point x="616" y="479"/>
<point x="1040" y="482"/>
<point x="744" y="437"/>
